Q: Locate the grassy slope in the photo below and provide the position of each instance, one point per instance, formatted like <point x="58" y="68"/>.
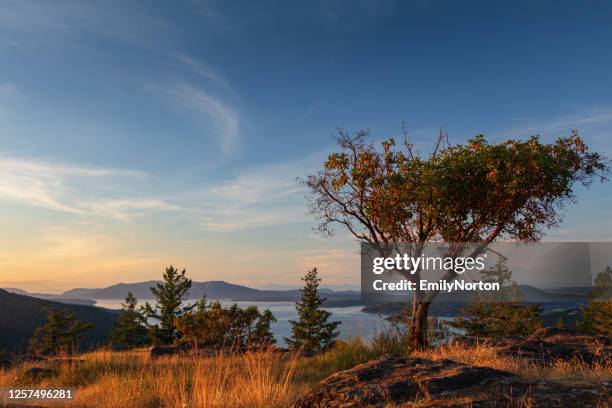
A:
<point x="121" y="379"/>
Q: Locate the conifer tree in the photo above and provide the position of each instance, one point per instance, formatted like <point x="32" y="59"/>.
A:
<point x="263" y="334"/>
<point x="597" y="316"/>
<point x="501" y="314"/>
<point x="170" y="295"/>
<point x="61" y="334"/>
<point x="130" y="329"/>
<point x="312" y="332"/>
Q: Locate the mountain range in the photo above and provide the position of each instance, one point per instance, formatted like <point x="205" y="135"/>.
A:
<point x="335" y="298"/>
<point x="210" y="289"/>
<point x="21" y="312"/>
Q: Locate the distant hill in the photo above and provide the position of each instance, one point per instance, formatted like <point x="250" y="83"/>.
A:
<point x="230" y="291"/>
<point x="572" y="290"/>
<point x="334" y="299"/>
<point x="529" y="294"/>
<point x="450" y="304"/>
<point x="20" y="315"/>
<point x="118" y="291"/>
<point x="57" y="298"/>
<point x="212" y="290"/>
<point x="142" y="290"/>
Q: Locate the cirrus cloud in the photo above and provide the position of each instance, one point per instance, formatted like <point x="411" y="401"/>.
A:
<point x="209" y="111"/>
<point x="75" y="189"/>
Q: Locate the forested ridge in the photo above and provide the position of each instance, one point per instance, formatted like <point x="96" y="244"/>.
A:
<point x="20" y="315"/>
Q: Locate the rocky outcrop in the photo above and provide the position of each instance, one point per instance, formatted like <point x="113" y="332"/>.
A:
<point x="411" y="382"/>
<point x="550" y="344"/>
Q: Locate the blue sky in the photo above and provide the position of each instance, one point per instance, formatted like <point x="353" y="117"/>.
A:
<point x="138" y="134"/>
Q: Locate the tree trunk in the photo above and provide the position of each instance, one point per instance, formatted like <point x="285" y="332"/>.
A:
<point x="418" y="326"/>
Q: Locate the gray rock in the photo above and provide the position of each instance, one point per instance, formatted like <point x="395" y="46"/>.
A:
<point x="412" y="382"/>
<point x="550" y="344"/>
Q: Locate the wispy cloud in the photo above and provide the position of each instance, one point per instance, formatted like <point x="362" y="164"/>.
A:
<point x="24" y="21"/>
<point x="223" y="118"/>
<point x="125" y="209"/>
<point x="205" y="71"/>
<point x="311" y="110"/>
<point x="259" y="196"/>
<point x="74" y="189"/>
<point x="255" y="197"/>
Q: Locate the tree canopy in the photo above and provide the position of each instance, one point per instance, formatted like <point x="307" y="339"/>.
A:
<point x="475" y="192"/>
<point x="210" y="324"/>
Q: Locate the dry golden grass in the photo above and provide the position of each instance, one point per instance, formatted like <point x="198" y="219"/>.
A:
<point x="132" y="379"/>
<point x="267" y="379"/>
<point x="574" y="371"/>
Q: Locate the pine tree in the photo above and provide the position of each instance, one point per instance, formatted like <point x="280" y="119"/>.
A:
<point x="170" y="295"/>
<point x="501" y="314"/>
<point x="312" y="332"/>
<point x="597" y="316"/>
<point x="61" y="334"/>
<point x="130" y="329"/>
<point x="263" y="334"/>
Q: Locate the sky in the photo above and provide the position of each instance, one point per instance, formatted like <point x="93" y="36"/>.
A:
<point x="135" y="135"/>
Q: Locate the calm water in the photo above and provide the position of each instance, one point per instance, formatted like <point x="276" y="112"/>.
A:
<point x="354" y="322"/>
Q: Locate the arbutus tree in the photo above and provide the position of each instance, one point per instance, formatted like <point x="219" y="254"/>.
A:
<point x="465" y="195"/>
